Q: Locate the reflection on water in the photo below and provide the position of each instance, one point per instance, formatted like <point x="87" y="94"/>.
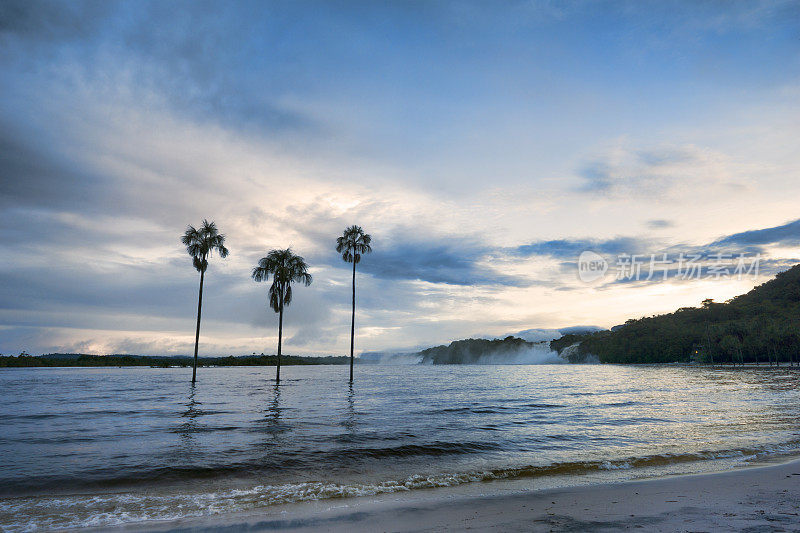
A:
<point x="349" y="422"/>
<point x="188" y="425"/>
<point x="102" y="435"/>
<point x="273" y="414"/>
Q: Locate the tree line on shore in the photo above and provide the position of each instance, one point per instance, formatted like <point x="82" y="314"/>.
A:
<point x="759" y="327"/>
<point x="282" y="266"/>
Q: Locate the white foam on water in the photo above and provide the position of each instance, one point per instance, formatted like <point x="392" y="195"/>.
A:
<point x="108" y="510"/>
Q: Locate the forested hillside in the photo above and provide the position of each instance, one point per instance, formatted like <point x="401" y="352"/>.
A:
<point x="470" y="351"/>
<point x="759" y="326"/>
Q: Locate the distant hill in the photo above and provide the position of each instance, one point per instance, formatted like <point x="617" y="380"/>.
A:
<point x="759" y="326"/>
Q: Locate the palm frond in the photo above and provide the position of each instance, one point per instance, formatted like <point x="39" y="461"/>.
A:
<point x="260" y="274"/>
<point x="287" y="294"/>
<point x="200" y="264"/>
<point x="285" y="268"/>
<point x="274" y="296"/>
<point x="353" y="244"/>
<point x="201" y="243"/>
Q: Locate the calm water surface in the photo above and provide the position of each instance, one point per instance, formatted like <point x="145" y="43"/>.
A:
<point x="108" y="446"/>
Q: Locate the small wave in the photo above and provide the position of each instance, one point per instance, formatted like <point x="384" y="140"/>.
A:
<point x="106" y="510"/>
<point x="633" y="421"/>
<point x="205" y="429"/>
<point x="622" y="404"/>
<point x="490" y="409"/>
<point x="434" y="448"/>
<point x="104" y="478"/>
<point x="34" y="416"/>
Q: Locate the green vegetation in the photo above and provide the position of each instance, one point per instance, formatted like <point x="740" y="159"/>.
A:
<point x="285" y="268"/>
<point x="84" y="360"/>
<point x="760" y="326"/>
<point x="352" y="245"/>
<point x="471" y="350"/>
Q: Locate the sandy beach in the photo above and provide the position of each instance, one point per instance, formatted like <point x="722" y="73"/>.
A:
<point x="757" y="498"/>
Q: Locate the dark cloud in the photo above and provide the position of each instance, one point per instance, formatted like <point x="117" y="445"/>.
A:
<point x="34" y="175"/>
<point x="568" y="248"/>
<point x="398" y="254"/>
<point x="201" y="57"/>
<point x="140" y="289"/>
<point x="659" y="223"/>
<point x="752" y="241"/>
<point x="723" y="254"/>
<point x="441" y="261"/>
<point x="51" y="20"/>
<point x="787" y="235"/>
<point x="597" y="178"/>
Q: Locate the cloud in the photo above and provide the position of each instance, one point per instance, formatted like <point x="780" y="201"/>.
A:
<point x="572" y="248"/>
<point x="662" y="171"/>
<point x="725" y="251"/>
<point x="452" y="261"/>
<point x="398" y="253"/>
<point x="660" y="223"/>
<point x="32" y="175"/>
<point x="50" y="20"/>
<point x="787" y="235"/>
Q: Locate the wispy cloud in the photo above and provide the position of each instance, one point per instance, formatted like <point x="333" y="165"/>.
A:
<point x="660" y="171"/>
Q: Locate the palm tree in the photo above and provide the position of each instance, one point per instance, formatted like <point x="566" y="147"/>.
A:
<point x="352" y="244"/>
<point x="200" y="243"/>
<point x="285" y="268"/>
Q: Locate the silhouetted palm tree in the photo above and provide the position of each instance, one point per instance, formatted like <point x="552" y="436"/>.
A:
<point x="200" y="243"/>
<point x="352" y="244"/>
<point x="285" y="268"/>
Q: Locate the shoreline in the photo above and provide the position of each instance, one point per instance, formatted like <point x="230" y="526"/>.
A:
<point x="763" y="497"/>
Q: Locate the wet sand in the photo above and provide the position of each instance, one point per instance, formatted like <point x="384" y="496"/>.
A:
<point x="753" y="499"/>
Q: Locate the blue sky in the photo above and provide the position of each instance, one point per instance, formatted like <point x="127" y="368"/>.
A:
<point x="483" y="145"/>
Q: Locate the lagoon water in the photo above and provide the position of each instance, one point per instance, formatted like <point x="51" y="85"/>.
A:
<point x="106" y="446"/>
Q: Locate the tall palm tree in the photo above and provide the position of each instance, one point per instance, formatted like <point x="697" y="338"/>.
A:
<point x="201" y="243"/>
<point x="352" y="245"/>
<point x="285" y="268"/>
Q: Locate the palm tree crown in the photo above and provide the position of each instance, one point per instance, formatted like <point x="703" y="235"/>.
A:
<point x="200" y="243"/>
<point x="353" y="243"/>
<point x="285" y="268"/>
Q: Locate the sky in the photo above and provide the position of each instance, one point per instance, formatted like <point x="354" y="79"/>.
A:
<point x="483" y="145"/>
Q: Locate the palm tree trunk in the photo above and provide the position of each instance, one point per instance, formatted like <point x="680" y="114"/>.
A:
<point x="197" y="333"/>
<point x="280" y="336"/>
<point x="353" y="321"/>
